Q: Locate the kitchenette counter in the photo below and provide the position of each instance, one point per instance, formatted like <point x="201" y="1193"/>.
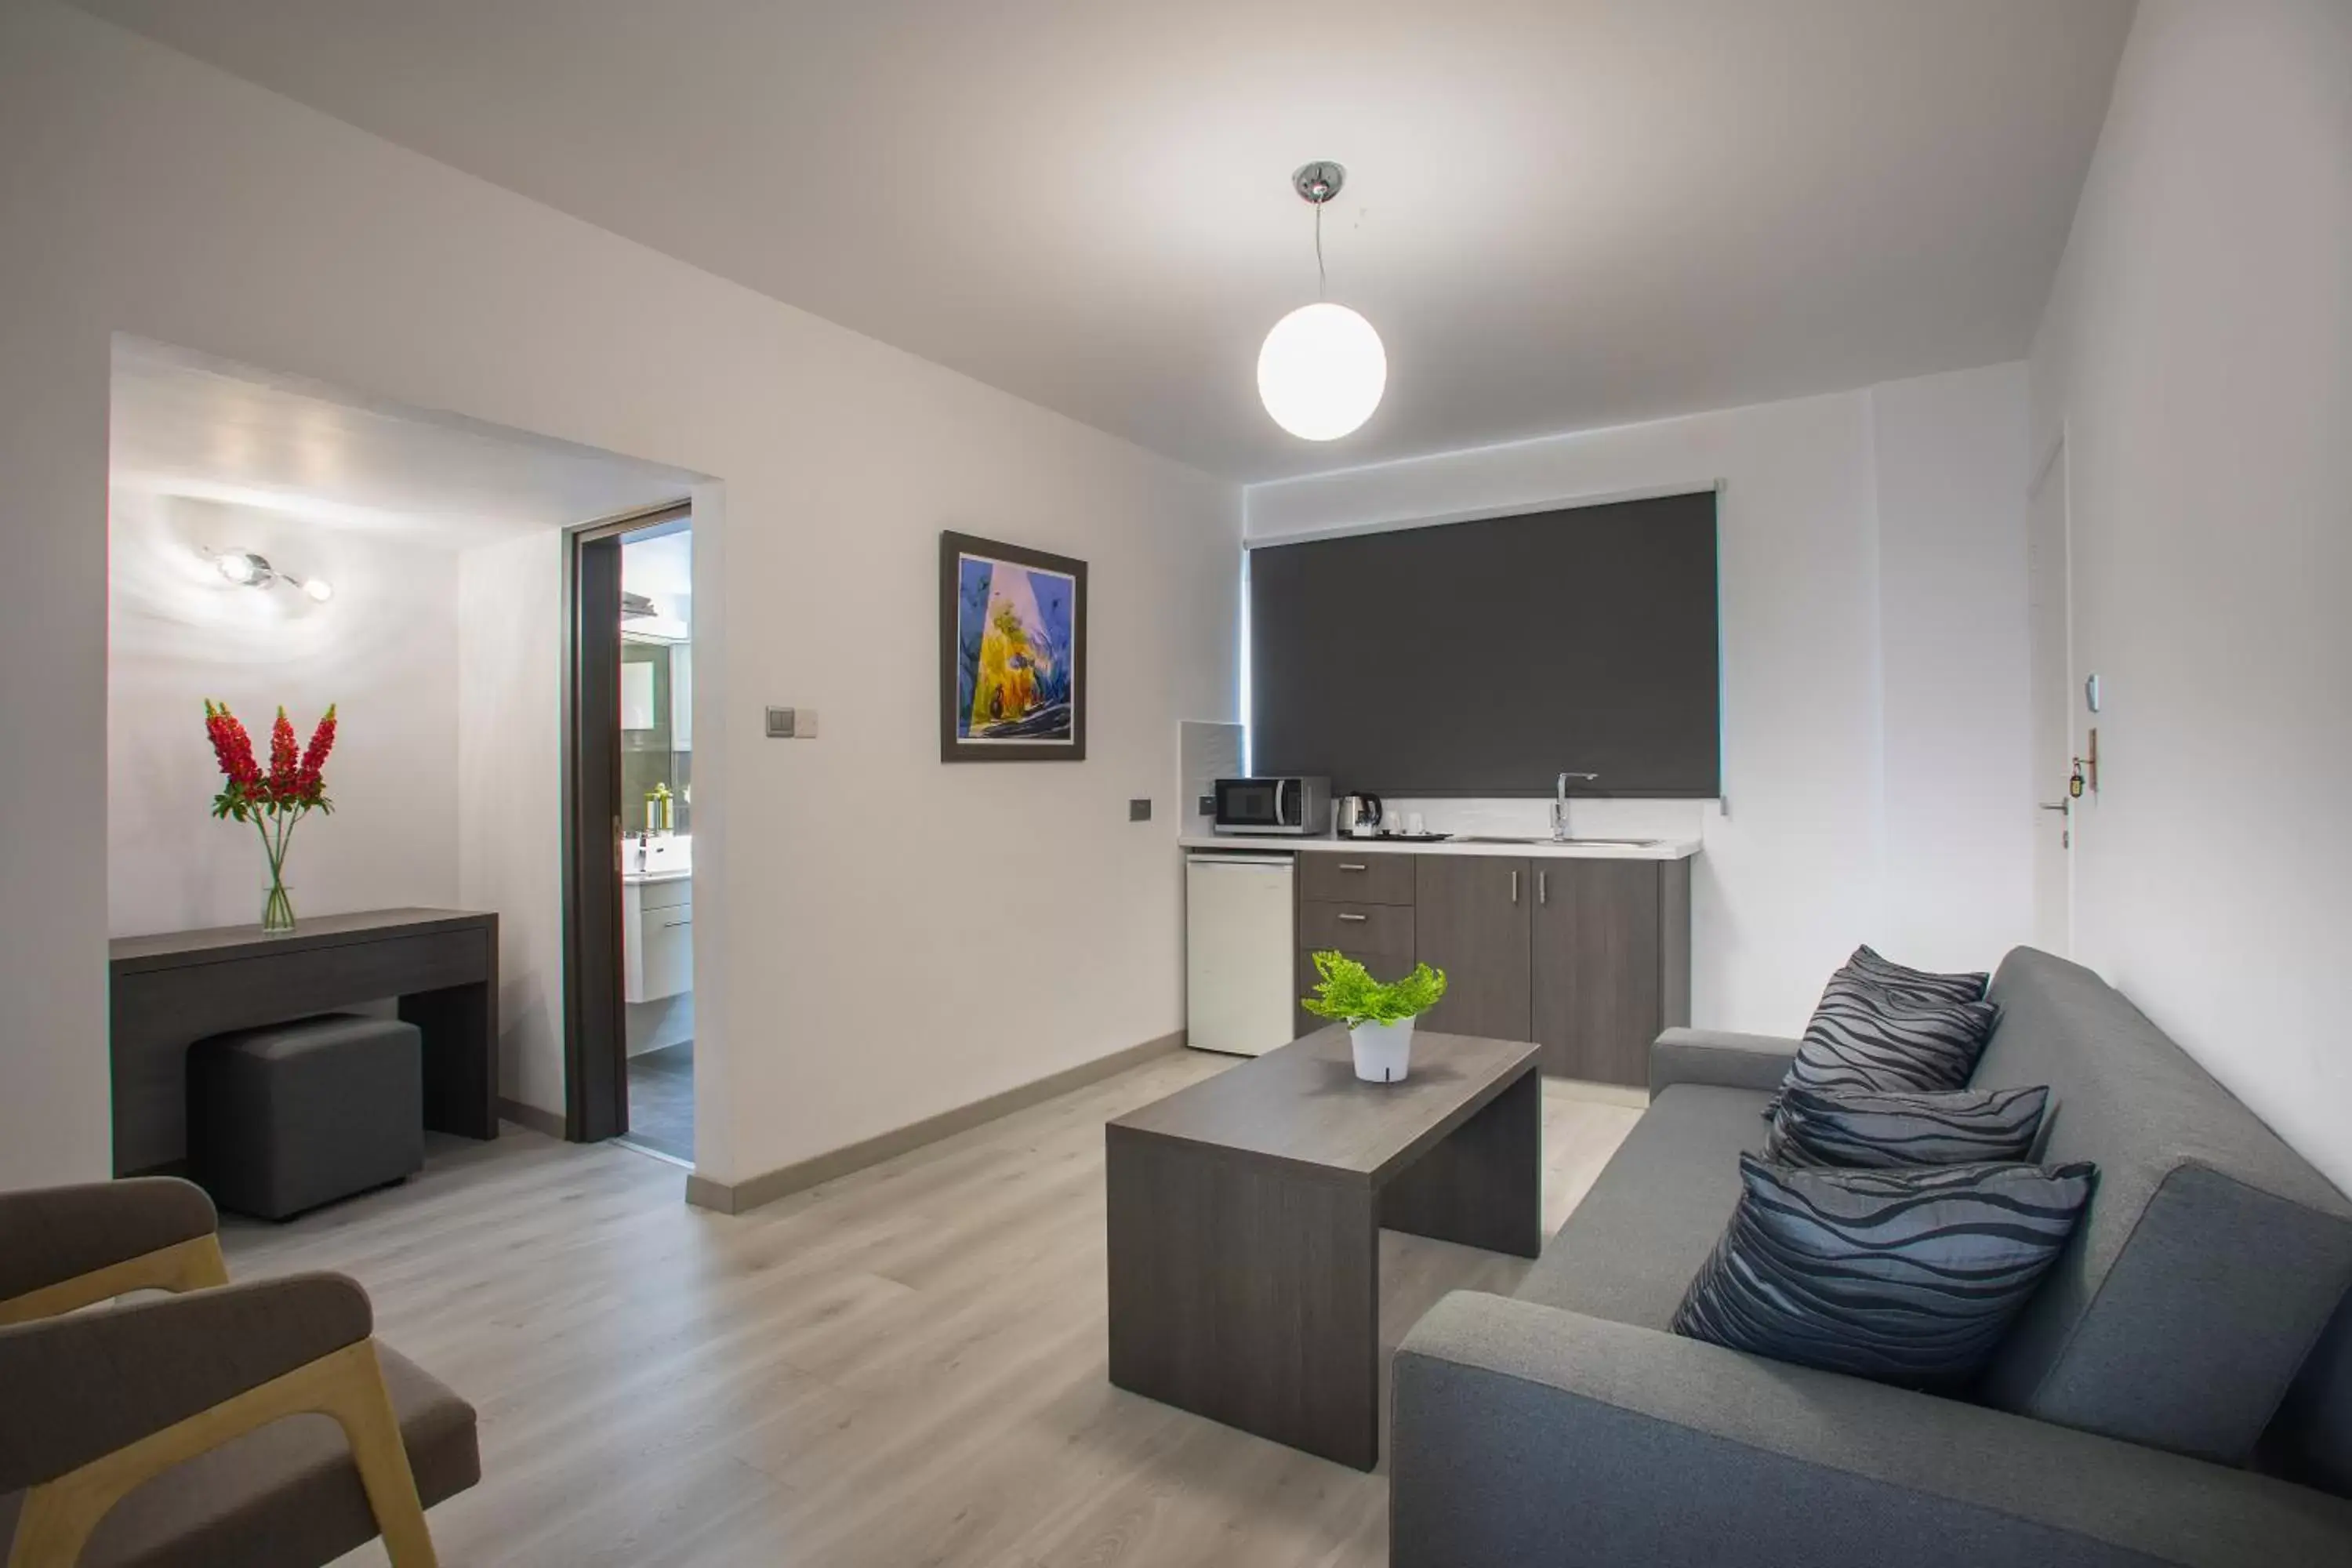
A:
<point x="1540" y="849"/>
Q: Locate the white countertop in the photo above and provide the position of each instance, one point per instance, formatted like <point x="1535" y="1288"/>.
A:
<point x="663" y="857"/>
<point x="1266" y="843"/>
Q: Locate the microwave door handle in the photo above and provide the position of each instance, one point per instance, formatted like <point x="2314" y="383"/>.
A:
<point x="1280" y="818"/>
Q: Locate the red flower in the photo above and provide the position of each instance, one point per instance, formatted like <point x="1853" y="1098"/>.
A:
<point x="231" y="746"/>
<point x="323" y="741"/>
<point x="281" y="759"/>
<point x="296" y="782"/>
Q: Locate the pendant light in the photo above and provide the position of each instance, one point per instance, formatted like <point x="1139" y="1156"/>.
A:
<point x="1322" y="369"/>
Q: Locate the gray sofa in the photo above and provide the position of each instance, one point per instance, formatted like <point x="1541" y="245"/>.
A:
<point x="2178" y="1364"/>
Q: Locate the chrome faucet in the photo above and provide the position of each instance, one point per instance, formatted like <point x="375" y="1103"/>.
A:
<point x="1559" y="806"/>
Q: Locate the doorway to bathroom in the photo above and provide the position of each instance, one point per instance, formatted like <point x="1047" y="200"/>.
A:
<point x="630" y="863"/>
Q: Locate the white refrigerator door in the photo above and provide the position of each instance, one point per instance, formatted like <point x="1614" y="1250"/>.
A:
<point x="1238" y="952"/>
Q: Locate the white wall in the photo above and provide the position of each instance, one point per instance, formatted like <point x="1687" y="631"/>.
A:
<point x="1956" y="743"/>
<point x="878" y="937"/>
<point x="2197" y="353"/>
<point x="509" y="618"/>
<point x="385" y="650"/>
<point x="1873" y="726"/>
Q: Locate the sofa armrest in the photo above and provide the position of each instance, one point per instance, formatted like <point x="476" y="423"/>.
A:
<point x="124" y="1232"/>
<point x="1524" y="1433"/>
<point x="82" y="1386"/>
<point x="1723" y="1059"/>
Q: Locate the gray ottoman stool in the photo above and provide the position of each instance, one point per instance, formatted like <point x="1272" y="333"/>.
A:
<point x="285" y="1117"/>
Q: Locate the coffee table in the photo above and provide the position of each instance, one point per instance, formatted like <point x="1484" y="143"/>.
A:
<point x="1245" y="1215"/>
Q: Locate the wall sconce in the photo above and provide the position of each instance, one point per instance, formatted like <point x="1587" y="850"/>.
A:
<point x="248" y="570"/>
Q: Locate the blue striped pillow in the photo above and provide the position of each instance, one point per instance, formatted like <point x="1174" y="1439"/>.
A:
<point x="1863" y="1037"/>
<point x="1869" y="1129"/>
<point x="1904" y="981"/>
<point x="1909" y="1277"/>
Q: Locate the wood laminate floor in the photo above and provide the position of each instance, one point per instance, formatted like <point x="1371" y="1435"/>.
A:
<point x="904" y="1366"/>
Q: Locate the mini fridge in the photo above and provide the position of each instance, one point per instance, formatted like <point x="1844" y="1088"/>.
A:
<point x="1238" y="950"/>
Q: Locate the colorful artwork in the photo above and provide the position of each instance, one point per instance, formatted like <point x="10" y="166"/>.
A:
<point x="1015" y="632"/>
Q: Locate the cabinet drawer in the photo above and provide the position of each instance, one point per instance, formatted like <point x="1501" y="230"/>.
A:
<point x="1370" y="878"/>
<point x="1350" y="927"/>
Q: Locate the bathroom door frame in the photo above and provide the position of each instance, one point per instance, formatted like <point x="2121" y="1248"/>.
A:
<point x="596" y="1032"/>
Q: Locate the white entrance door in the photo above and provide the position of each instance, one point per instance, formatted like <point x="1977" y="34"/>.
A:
<point x="2050" y="628"/>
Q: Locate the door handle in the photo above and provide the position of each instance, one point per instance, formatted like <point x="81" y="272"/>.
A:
<point x="2062" y="806"/>
<point x="1514" y="887"/>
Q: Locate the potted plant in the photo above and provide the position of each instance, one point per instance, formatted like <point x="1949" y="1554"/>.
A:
<point x="1378" y="1013"/>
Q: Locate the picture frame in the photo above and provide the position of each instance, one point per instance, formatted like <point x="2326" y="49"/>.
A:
<point x="1013" y="653"/>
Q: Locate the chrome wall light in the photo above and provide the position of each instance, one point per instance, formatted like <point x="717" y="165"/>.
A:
<point x="1322" y="369"/>
<point x="249" y="570"/>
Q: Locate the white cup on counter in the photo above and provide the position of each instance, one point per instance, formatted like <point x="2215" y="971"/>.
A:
<point x="1414" y="824"/>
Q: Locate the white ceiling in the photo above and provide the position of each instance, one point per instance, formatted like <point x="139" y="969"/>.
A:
<point x="184" y="424"/>
<point x="1560" y="213"/>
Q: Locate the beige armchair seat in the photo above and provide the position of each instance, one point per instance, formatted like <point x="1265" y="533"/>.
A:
<point x="253" y="1425"/>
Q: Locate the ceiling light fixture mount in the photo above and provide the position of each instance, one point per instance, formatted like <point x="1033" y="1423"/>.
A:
<point x="1319" y="182"/>
<point x="1322" y="369"/>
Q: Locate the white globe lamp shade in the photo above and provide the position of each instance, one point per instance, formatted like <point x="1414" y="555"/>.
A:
<point x="1321" y="372"/>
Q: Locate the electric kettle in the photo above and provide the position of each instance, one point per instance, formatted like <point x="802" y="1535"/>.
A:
<point x="1360" y="815"/>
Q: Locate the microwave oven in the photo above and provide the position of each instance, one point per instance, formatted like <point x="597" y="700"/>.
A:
<point x="1292" y="805"/>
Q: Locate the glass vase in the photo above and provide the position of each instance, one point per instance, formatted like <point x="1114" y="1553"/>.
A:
<point x="278" y="910"/>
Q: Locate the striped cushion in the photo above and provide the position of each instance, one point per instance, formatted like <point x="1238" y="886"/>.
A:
<point x="1906" y="1276"/>
<point x="1862" y="1037"/>
<point x="1903" y="981"/>
<point x="1870" y="1128"/>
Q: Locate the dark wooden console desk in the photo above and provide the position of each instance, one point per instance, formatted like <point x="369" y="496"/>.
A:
<point x="171" y="990"/>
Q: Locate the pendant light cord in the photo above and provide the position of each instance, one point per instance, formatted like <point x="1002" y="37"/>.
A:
<point x="1322" y="284"/>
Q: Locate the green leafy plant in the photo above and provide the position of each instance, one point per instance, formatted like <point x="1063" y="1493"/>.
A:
<point x="1349" y="993"/>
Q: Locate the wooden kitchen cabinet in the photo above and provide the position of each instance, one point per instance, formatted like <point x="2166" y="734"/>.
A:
<point x="1470" y="919"/>
<point x="1609" y="944"/>
<point x="1588" y="958"/>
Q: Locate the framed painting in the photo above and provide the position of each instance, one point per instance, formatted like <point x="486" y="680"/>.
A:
<point x="1013" y="653"/>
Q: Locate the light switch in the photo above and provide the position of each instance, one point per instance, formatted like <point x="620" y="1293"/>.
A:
<point x="780" y="723"/>
<point x="1138" y="811"/>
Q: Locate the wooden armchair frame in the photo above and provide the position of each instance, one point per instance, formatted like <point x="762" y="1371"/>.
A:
<point x="189" y="1265"/>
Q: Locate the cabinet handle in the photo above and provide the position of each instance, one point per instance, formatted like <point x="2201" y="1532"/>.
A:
<point x="1543" y="887"/>
<point x="1514" y="887"/>
<point x="1345" y="916"/>
<point x="1352" y="866"/>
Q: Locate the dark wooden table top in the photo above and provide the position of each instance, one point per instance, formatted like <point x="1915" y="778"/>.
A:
<point x="166" y="950"/>
<point x="1302" y="1106"/>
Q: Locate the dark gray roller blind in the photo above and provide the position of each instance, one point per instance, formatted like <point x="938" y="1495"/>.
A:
<point x="1484" y="658"/>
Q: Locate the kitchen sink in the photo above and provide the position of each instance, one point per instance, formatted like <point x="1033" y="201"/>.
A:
<point x="1548" y="839"/>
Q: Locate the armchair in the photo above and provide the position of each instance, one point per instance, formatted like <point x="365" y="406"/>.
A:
<point x="199" y="1414"/>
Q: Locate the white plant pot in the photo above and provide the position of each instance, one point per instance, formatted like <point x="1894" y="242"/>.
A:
<point x="1383" y="1051"/>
